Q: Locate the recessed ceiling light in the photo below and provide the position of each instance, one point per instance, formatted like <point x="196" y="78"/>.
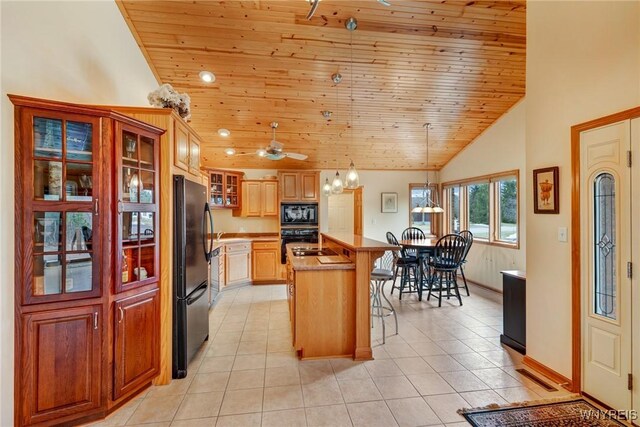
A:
<point x="224" y="132"/>
<point x="230" y="151"/>
<point x="207" y="76"/>
<point x="261" y="152"/>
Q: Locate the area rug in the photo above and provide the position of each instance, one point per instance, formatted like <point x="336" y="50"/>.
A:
<point x="573" y="413"/>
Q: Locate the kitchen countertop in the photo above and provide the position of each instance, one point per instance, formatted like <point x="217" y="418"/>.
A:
<point x="311" y="263"/>
<point x="359" y="243"/>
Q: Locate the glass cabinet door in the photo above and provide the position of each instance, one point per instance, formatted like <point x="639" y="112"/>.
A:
<point x="217" y="189"/>
<point x="61" y="204"/>
<point x="137" y="246"/>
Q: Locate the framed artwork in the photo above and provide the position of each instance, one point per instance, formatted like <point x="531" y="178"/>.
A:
<point x="389" y="202"/>
<point x="545" y="190"/>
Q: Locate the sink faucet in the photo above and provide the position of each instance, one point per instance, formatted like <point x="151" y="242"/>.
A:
<point x="219" y="234"/>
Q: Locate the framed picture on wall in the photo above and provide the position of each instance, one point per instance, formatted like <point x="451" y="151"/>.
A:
<point x="545" y="191"/>
<point x="389" y="202"/>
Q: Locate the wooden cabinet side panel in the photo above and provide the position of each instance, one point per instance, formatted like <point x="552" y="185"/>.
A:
<point x="181" y="147"/>
<point x="325" y="312"/>
<point x="194" y="155"/>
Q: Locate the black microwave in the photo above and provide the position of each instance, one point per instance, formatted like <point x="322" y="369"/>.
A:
<point x="299" y="214"/>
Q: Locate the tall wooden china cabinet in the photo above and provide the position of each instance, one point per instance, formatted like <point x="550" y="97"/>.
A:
<point x="87" y="262"/>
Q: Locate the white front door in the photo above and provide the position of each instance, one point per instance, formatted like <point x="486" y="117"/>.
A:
<point x="605" y="193"/>
<point x="341" y="213"/>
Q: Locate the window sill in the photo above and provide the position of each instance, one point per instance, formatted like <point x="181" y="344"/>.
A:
<point x="498" y="244"/>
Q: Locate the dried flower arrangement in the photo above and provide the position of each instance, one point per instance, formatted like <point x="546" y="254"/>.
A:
<point x="166" y="96"/>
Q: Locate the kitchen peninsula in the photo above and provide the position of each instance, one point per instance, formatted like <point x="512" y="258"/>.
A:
<point x="328" y="293"/>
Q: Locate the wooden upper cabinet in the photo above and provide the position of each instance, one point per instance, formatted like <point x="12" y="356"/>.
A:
<point x="259" y="198"/>
<point x="181" y="146"/>
<point x="309" y="186"/>
<point x="290" y="186"/>
<point x="136" y="342"/>
<point x="60" y="364"/>
<point x="225" y="189"/>
<point x="251" y="198"/>
<point x="270" y="198"/>
<point x="299" y="186"/>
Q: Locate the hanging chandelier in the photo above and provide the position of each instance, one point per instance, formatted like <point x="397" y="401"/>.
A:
<point x="352" y="180"/>
<point x="428" y="206"/>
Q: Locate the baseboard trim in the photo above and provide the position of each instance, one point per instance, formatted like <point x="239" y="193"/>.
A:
<point x="480" y="285"/>
<point x="548" y="372"/>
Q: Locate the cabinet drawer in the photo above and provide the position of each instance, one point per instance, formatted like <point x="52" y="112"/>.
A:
<point x="265" y="245"/>
<point x="238" y="247"/>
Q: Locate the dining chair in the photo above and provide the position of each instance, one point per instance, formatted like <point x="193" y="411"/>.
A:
<point x="412" y="233"/>
<point x="445" y="262"/>
<point x="407" y="266"/>
<point x="468" y="237"/>
<point x="381" y="307"/>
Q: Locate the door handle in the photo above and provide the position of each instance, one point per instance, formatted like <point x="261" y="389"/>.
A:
<point x="119" y="206"/>
<point x="95" y="320"/>
<point x="207" y="209"/>
<point x="96" y="209"/>
<point x="121" y="314"/>
<point x="194" y="298"/>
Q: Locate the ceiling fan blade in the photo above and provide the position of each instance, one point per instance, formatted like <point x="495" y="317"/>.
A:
<point x="296" y="156"/>
<point x="384" y="2"/>
<point x="314" y="6"/>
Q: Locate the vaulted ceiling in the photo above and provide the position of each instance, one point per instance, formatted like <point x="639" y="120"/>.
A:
<point x="459" y="65"/>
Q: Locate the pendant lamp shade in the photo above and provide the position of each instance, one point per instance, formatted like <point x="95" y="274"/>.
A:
<point x="326" y="188"/>
<point x="352" y="180"/>
<point x="337" y="187"/>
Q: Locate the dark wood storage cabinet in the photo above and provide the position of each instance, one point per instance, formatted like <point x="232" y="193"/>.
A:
<point x="514" y="306"/>
<point x="86" y="244"/>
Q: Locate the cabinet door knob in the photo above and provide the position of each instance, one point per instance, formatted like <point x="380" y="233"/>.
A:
<point x="95" y="320"/>
<point x="121" y="314"/>
<point x="96" y="208"/>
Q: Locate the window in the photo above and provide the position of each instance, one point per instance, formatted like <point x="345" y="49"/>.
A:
<point x="478" y="213"/>
<point x="507" y="215"/>
<point x="454" y="210"/>
<point x="487" y="206"/>
<point x="604" y="234"/>
<point x="418" y="197"/>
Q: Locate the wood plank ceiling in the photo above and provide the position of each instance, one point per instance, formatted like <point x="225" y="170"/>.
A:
<point x="457" y="64"/>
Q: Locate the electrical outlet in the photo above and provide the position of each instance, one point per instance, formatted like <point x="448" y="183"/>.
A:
<point x="562" y="234"/>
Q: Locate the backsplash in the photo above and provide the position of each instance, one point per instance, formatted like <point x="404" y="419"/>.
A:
<point x="223" y="220"/>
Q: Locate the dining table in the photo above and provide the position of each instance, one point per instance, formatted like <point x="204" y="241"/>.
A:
<point x="423" y="247"/>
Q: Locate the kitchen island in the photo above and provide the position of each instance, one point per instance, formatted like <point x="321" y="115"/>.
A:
<point x="328" y="293"/>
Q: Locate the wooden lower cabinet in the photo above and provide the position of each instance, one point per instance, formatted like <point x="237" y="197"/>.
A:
<point x="136" y="342"/>
<point x="58" y="346"/>
<point x="266" y="261"/>
<point x="238" y="263"/>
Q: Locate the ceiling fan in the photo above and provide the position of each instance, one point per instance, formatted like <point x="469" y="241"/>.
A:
<point x="274" y="151"/>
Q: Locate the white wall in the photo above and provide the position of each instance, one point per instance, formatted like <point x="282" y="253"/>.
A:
<point x="500" y="148"/>
<point x="583" y="62"/>
<point x="70" y="51"/>
<point x="375" y="223"/>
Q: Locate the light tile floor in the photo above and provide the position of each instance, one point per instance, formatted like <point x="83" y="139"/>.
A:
<point x="247" y="374"/>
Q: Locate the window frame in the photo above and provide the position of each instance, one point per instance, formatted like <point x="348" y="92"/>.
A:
<point x="494" y="206"/>
<point x="434" y="223"/>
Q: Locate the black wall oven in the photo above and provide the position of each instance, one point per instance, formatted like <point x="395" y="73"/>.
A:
<point x="299" y="214"/>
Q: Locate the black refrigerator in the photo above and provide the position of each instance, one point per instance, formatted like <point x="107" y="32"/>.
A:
<point x="192" y="225"/>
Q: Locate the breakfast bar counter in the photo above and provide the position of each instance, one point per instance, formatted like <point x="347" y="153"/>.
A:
<point x="328" y="293"/>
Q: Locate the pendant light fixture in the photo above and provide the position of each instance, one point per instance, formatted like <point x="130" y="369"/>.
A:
<point x="326" y="188"/>
<point x="429" y="206"/>
<point x="337" y="186"/>
<point x="352" y="180"/>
